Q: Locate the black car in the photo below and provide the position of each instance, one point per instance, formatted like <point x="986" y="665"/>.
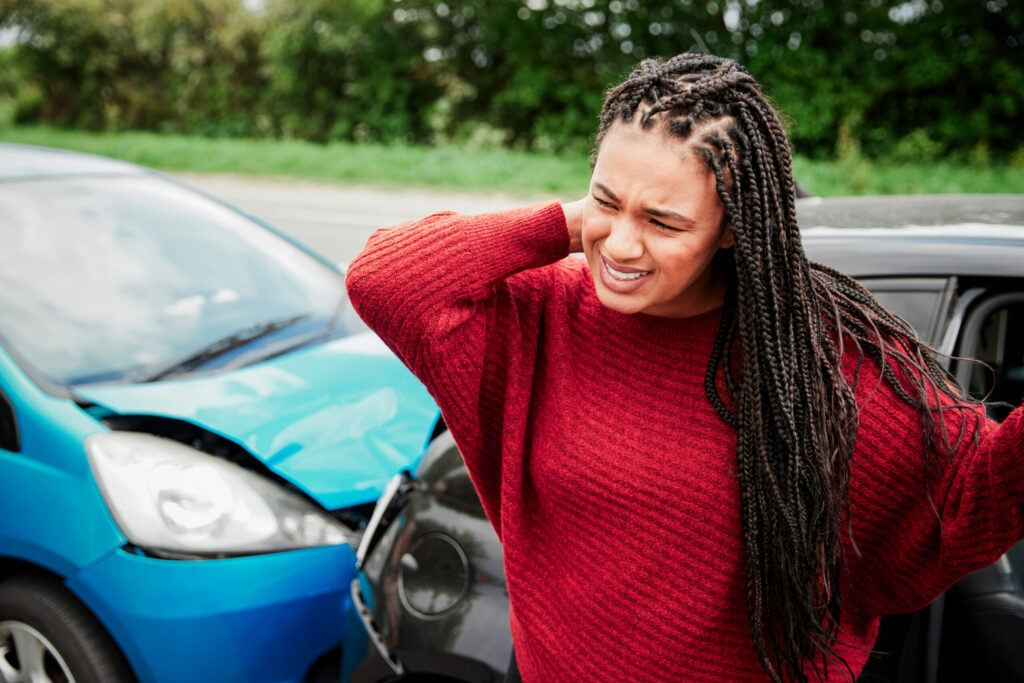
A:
<point x="430" y="603"/>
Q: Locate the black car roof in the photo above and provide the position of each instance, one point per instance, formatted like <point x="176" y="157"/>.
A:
<point x="921" y="235"/>
<point x="22" y="162"/>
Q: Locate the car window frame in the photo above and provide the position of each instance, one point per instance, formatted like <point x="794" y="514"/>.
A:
<point x="971" y="326"/>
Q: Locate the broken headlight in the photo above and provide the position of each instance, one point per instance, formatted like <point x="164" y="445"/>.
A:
<point x="166" y="496"/>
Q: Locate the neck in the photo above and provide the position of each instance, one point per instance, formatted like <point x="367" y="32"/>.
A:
<point x="710" y="295"/>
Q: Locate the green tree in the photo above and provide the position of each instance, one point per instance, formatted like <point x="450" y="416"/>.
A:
<point x="898" y="79"/>
<point x="347" y="71"/>
<point x="187" y="65"/>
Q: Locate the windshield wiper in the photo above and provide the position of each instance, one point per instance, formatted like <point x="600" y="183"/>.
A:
<point x="218" y="348"/>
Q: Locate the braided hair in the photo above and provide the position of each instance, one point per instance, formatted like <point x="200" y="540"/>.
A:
<point x="785" y="322"/>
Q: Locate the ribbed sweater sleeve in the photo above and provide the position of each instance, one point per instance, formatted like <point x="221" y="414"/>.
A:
<point x="920" y="528"/>
<point x="439" y="292"/>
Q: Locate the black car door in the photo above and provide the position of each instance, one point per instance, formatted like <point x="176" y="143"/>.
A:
<point x="975" y="631"/>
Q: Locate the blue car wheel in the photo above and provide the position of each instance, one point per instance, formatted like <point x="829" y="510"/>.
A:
<point x="46" y="634"/>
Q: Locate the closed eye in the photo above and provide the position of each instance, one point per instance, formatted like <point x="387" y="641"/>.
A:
<point x="665" y="227"/>
<point x="607" y="205"/>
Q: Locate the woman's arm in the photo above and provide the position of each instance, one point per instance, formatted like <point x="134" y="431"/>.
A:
<point x="920" y="528"/>
<point x="458" y="299"/>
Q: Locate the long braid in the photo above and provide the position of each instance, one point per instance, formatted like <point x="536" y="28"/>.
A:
<point x="792" y="407"/>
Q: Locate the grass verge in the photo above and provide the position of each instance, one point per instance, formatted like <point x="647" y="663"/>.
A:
<point x="451" y="168"/>
<point x="491" y="170"/>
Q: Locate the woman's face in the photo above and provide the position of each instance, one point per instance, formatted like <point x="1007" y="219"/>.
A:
<point x="652" y="225"/>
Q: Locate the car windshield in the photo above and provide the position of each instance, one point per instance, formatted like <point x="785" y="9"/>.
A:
<point x="109" y="279"/>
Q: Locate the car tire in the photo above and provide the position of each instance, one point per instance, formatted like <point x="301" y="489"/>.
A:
<point x="43" y="623"/>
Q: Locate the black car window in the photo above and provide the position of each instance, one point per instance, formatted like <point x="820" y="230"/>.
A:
<point x="8" y="425"/>
<point x="919" y="301"/>
<point x="994" y="334"/>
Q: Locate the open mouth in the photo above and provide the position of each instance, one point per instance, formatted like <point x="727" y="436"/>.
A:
<point x="622" y="279"/>
<point x="618" y="275"/>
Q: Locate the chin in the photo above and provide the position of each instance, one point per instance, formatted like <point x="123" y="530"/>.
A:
<point x="627" y="304"/>
<point x="620" y="303"/>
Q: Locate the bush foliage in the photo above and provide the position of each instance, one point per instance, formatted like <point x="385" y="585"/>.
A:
<point x="912" y="80"/>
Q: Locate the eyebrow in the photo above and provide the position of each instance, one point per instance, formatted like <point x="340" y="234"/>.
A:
<point x="604" y="188"/>
<point x="658" y="213"/>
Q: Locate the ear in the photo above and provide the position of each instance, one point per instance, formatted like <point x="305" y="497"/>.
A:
<point x="727" y="239"/>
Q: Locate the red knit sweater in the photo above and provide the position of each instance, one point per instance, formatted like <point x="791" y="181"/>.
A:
<point x="609" y="476"/>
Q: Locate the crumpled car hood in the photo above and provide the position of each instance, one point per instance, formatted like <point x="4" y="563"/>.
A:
<point x="337" y="420"/>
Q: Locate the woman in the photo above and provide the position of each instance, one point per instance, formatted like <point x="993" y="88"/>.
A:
<point x="697" y="448"/>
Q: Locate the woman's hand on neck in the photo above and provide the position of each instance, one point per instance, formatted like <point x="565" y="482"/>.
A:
<point x="574" y="222"/>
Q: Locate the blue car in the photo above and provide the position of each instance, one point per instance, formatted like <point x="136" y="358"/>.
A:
<point x="194" y="426"/>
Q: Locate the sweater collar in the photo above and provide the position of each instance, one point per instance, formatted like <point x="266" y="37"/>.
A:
<point x="703" y="325"/>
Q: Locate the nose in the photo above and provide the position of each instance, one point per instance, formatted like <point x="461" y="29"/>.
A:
<point x="624" y="242"/>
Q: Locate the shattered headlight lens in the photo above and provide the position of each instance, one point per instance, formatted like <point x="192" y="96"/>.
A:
<point x="167" y="496"/>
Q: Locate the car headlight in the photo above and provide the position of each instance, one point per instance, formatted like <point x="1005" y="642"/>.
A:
<point x="167" y="496"/>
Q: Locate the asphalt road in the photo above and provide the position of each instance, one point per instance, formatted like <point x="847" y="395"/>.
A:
<point x="336" y="220"/>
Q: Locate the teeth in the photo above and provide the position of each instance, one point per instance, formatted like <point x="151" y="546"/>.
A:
<point x="623" y="276"/>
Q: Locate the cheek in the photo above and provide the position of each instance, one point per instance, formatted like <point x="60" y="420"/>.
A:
<point x="595" y="228"/>
<point x="593" y="225"/>
<point x="682" y="262"/>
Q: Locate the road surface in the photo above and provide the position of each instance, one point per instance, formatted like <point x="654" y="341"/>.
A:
<point x="335" y="219"/>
